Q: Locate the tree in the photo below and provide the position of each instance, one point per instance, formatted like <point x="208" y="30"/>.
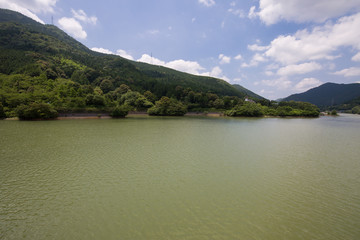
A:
<point x="248" y="109"/>
<point x="36" y="111"/>
<point x="167" y="107"/>
<point x="2" y="112"/>
<point x="106" y="85"/>
<point x="120" y="112"/>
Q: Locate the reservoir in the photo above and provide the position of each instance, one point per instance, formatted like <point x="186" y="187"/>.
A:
<point x="181" y="178"/>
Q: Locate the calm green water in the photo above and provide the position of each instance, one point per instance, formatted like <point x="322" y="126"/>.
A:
<point x="180" y="178"/>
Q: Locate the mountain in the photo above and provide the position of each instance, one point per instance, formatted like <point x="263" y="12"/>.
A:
<point x="33" y="49"/>
<point x="328" y="94"/>
<point x="247" y="92"/>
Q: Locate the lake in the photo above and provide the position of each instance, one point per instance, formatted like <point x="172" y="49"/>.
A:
<point x="181" y="178"/>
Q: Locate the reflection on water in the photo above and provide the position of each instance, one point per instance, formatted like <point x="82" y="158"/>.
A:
<point x="180" y="178"/>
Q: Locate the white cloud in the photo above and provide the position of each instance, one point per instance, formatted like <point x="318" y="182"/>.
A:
<point x="299" y="69"/>
<point x="82" y="16"/>
<point x="256" y="47"/>
<point x="269" y="73"/>
<point x="207" y="3"/>
<point x="72" y="27"/>
<point x="119" y="52"/>
<point x="35" y="6"/>
<point x="151" y="60"/>
<point x="349" y="72"/>
<point x="256" y="59"/>
<point x="102" y="50"/>
<point x="273" y="11"/>
<point x="153" y="31"/>
<point x="18" y="8"/>
<point x="224" y="59"/>
<point x="356" y="57"/>
<point x="180" y="65"/>
<point x="216" y="72"/>
<point x="30" y="7"/>
<point x="185" y="66"/>
<point x="306" y="84"/>
<point x="280" y="83"/>
<point x="237" y="12"/>
<point x="191" y="67"/>
<point x="252" y="14"/>
<point x="321" y="43"/>
<point x="238" y="57"/>
<point x="124" y="54"/>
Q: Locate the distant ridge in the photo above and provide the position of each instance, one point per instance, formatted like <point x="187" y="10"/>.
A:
<point x="328" y="94"/>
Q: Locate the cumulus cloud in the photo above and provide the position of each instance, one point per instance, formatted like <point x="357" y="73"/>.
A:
<point x="224" y="59"/>
<point x="237" y="12"/>
<point x="255" y="47"/>
<point x="349" y="72"/>
<point x="124" y="54"/>
<point x="319" y="43"/>
<point x="185" y="66"/>
<point x="256" y="59"/>
<point x="35" y="6"/>
<point x="252" y="14"/>
<point x="216" y="72"/>
<point x="191" y="67"/>
<point x="207" y="3"/>
<point x="299" y="69"/>
<point x="102" y="50"/>
<point x="29" y="7"/>
<point x="82" y="16"/>
<point x="306" y="84"/>
<point x="180" y="65"/>
<point x="72" y="27"/>
<point x="280" y="83"/>
<point x="238" y="57"/>
<point x="273" y="11"/>
<point x="356" y="57"/>
<point x="119" y="52"/>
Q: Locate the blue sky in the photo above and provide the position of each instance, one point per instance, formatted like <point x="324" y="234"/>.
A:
<point x="272" y="47"/>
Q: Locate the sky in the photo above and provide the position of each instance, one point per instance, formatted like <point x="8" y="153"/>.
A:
<point x="272" y="47"/>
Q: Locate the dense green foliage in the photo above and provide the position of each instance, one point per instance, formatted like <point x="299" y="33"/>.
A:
<point x="36" y="111"/>
<point x="282" y="109"/>
<point x="168" y="107"/>
<point x="2" y="112"/>
<point x="248" y="109"/>
<point x="120" y="111"/>
<point x="328" y="95"/>
<point x="356" y="110"/>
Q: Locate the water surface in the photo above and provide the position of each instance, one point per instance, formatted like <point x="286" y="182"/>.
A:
<point x="181" y="178"/>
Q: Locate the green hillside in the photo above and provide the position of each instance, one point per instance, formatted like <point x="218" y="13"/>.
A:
<point x="328" y="95"/>
<point x="248" y="92"/>
<point x="30" y="48"/>
<point x="43" y="72"/>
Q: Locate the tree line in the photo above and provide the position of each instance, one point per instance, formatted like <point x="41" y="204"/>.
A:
<point x="41" y="97"/>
